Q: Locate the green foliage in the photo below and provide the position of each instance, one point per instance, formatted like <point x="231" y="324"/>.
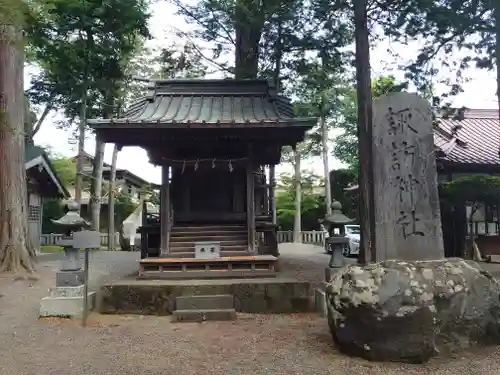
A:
<point x="276" y="39"/>
<point x="82" y="47"/>
<point x="346" y="144"/>
<point x="471" y="189"/>
<point x="339" y="180"/>
<point x="465" y="30"/>
<point x="16" y="12"/>
<point x="155" y="198"/>
<point x="172" y="61"/>
<point x="124" y="206"/>
<point x="313" y="203"/>
<point x="52" y="210"/>
<point x="65" y="168"/>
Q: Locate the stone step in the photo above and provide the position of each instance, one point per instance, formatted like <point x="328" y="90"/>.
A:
<point x="205" y="302"/>
<point x="223" y="253"/>
<point x="209" y="229"/>
<point x="196" y="237"/>
<point x="203" y="315"/>
<point x="184" y="249"/>
<point x="175" y="243"/>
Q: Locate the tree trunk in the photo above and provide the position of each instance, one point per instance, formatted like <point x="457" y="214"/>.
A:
<point x="39" y="122"/>
<point x="497" y="55"/>
<point x="111" y="200"/>
<point x="364" y="94"/>
<point x="297" y="230"/>
<point x="16" y="251"/>
<point x="96" y="185"/>
<point x="326" y="167"/>
<point x="249" y="22"/>
<point x="81" y="148"/>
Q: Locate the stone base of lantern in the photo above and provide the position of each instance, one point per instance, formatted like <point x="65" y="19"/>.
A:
<point x="70" y="278"/>
<point x="66" y="302"/>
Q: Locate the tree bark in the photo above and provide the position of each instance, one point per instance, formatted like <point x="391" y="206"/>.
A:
<point x="326" y="167"/>
<point x="249" y="21"/>
<point x="81" y="149"/>
<point x="16" y="251"/>
<point x="96" y="185"/>
<point x="111" y="200"/>
<point x="42" y="118"/>
<point x="297" y="229"/>
<point x="364" y="94"/>
<point x="497" y="54"/>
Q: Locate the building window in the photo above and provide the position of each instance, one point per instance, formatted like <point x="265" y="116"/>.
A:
<point x="491" y="213"/>
<point x="129" y="190"/>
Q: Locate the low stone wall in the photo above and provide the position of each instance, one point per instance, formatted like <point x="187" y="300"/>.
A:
<point x="157" y="297"/>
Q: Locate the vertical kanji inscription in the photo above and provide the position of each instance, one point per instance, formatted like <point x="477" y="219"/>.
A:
<point x="407" y="216"/>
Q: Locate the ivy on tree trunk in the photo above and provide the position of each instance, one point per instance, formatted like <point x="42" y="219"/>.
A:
<point x="16" y="251"/>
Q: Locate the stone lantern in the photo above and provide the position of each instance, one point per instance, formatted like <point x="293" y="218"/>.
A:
<point x="70" y="293"/>
<point x="335" y="224"/>
<point x="71" y="273"/>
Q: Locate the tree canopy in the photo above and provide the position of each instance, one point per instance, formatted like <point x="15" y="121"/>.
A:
<point x="346" y="144"/>
<point x="81" y="48"/>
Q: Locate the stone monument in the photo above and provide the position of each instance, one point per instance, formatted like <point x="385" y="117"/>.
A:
<point x="66" y="299"/>
<point x="407" y="215"/>
<point x="413" y="303"/>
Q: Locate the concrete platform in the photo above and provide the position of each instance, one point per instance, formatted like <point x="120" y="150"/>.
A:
<point x="65" y="306"/>
<point x="205" y="302"/>
<point x="158" y="297"/>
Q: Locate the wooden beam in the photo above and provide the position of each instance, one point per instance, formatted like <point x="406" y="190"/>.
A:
<point x="250" y="192"/>
<point x="164" y="211"/>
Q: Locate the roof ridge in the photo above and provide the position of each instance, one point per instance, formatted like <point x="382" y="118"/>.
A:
<point x="470" y="113"/>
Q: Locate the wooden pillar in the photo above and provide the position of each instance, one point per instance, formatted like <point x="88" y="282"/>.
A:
<point x="165" y="210"/>
<point x="144" y="235"/>
<point x="266" y="199"/>
<point x="272" y="198"/>
<point x="250" y="191"/>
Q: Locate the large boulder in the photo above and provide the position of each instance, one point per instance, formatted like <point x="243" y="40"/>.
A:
<point x="410" y="311"/>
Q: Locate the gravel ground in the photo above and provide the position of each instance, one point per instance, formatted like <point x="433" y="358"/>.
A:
<point x="251" y="345"/>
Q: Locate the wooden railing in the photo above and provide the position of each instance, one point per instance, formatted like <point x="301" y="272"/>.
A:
<point x="307" y="237"/>
<point x="54" y="238"/>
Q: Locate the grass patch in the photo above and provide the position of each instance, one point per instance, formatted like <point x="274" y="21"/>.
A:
<point x="59" y="249"/>
<point x="51" y="249"/>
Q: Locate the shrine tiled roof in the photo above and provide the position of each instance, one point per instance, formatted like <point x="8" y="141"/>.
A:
<point x="473" y="140"/>
<point x="199" y="103"/>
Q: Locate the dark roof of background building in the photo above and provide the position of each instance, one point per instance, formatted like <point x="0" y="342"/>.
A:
<point x="35" y="156"/>
<point x="124" y="172"/>
<point x="198" y="102"/>
<point x="473" y="140"/>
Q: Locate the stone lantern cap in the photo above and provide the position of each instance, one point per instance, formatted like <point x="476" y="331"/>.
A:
<point x="337" y="217"/>
<point x="72" y="219"/>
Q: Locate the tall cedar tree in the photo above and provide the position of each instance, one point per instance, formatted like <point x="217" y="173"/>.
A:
<point x="16" y="252"/>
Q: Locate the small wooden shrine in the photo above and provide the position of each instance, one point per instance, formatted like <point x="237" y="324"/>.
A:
<point x="213" y="140"/>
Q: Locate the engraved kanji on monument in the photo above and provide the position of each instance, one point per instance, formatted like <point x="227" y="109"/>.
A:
<point x="407" y="215"/>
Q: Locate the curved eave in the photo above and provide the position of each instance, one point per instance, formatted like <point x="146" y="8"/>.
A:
<point x="307" y="122"/>
<point x="472" y="167"/>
